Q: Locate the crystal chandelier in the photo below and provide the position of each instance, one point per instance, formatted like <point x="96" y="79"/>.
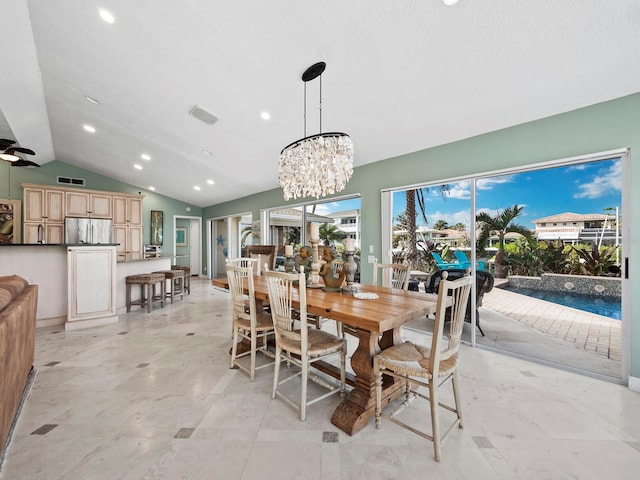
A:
<point x="317" y="165"/>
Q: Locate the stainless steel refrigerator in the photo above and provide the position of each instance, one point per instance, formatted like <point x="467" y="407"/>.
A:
<point x="89" y="231"/>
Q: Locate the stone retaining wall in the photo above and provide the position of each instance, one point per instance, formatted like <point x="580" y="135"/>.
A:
<point x="584" y="285"/>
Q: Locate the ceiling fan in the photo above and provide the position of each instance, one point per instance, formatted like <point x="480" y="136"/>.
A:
<point x="8" y="154"/>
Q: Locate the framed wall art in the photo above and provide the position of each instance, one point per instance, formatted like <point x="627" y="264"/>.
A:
<point x="157" y="226"/>
<point x="182" y="237"/>
<point x="10" y="221"/>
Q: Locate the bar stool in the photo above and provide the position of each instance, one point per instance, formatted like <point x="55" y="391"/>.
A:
<point x="176" y="283"/>
<point x="187" y="276"/>
<point x="147" y="282"/>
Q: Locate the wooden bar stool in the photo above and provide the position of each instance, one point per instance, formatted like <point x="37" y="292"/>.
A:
<point x="187" y="276"/>
<point x="176" y="283"/>
<point x="147" y="282"/>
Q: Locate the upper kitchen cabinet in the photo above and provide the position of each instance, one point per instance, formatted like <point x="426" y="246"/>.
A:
<point x="84" y="204"/>
<point x="43" y="205"/>
<point x="127" y="210"/>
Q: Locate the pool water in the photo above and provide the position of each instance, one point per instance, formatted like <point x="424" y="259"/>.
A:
<point x="606" y="306"/>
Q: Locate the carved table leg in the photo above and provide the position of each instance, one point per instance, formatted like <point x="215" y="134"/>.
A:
<point x="354" y="412"/>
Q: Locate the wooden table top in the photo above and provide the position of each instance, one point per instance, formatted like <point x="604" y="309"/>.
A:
<point x="390" y="310"/>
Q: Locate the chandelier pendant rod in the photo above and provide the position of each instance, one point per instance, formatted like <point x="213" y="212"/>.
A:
<point x="320" y="103"/>
<point x="305" y="109"/>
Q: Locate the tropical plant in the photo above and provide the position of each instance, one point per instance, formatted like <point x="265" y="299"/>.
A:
<point x="536" y="258"/>
<point x="441" y="225"/>
<point x="330" y="234"/>
<point x="500" y="224"/>
<point x="401" y="221"/>
<point x="595" y="261"/>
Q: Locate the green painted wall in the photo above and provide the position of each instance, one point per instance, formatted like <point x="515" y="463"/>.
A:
<point x="596" y="128"/>
<point x="47" y="174"/>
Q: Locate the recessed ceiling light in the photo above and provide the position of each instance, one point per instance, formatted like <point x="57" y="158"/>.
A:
<point x="207" y="152"/>
<point x="89" y="128"/>
<point x="91" y="99"/>
<point x="153" y="189"/>
<point x="265" y="115"/>
<point x="210" y="182"/>
<point x="107" y="16"/>
<point x="146" y="157"/>
<point x="449" y="3"/>
<point x="196" y="187"/>
<point x="137" y="167"/>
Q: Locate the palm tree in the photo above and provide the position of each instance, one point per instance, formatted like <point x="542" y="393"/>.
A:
<point x="417" y="196"/>
<point x="330" y="233"/>
<point x="500" y="225"/>
<point x="441" y="225"/>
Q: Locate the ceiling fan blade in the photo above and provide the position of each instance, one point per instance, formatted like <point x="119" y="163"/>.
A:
<point x="5" y="142"/>
<point x="28" y="151"/>
<point x="24" y="163"/>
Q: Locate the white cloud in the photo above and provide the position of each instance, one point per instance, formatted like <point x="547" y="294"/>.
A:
<point x="450" y="217"/>
<point x="603" y="183"/>
<point x="488" y="183"/>
<point x="323" y="209"/>
<point x="460" y="191"/>
<point x="580" y="166"/>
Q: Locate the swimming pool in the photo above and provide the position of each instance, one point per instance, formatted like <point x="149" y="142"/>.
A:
<point x="606" y="306"/>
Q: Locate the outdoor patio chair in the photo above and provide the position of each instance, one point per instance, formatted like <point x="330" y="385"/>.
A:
<point x="484" y="284"/>
<point x="430" y="367"/>
<point x="465" y="262"/>
<point x="441" y="264"/>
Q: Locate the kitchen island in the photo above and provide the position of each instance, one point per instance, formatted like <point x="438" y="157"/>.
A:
<point x="46" y="265"/>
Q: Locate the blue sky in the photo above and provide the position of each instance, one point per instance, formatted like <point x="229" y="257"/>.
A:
<point x="584" y="188"/>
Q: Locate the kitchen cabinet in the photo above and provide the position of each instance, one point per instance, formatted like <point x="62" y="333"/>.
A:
<point x="127" y="210"/>
<point x="127" y="226"/>
<point x="44" y="232"/>
<point x="46" y="206"/>
<point x="130" y="242"/>
<point x="43" y="215"/>
<point x="41" y="205"/>
<point x="91" y="287"/>
<point x="83" y="204"/>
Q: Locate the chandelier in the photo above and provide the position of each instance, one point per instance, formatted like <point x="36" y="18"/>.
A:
<point x="317" y="165"/>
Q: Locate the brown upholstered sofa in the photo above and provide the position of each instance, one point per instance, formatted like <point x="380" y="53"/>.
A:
<point x="18" y="304"/>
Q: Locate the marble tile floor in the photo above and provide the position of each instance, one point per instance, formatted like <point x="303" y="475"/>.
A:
<point x="152" y="397"/>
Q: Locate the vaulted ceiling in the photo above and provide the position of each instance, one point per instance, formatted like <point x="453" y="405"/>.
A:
<point x="401" y="76"/>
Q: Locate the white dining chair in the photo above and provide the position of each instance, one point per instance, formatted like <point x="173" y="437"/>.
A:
<point x="297" y="342"/>
<point x="428" y="366"/>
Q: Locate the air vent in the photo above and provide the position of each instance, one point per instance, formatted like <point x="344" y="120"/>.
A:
<point x="71" y="181"/>
<point x="201" y="114"/>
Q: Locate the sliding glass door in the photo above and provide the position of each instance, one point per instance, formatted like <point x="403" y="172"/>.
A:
<point x="547" y="244"/>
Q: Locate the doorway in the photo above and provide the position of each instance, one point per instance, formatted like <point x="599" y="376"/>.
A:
<point x="187" y="244"/>
<point x="226" y="238"/>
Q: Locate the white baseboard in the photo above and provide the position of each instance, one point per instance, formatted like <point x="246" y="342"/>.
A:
<point x="50" y="322"/>
<point x="634" y="383"/>
<point x="94" y="322"/>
